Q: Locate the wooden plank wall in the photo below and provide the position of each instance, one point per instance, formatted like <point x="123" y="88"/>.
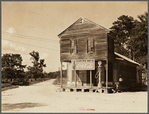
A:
<point x="110" y="72"/>
<point x="128" y="74"/>
<point x="99" y="54"/>
<point x="81" y="32"/>
<point x="110" y="48"/>
<point x="115" y="71"/>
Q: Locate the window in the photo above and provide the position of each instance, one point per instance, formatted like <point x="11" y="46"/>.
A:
<point x="73" y="46"/>
<point x="90" y="45"/>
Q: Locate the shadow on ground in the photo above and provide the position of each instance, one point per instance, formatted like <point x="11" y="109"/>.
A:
<point x="9" y="107"/>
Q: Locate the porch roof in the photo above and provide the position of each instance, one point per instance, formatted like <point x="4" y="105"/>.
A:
<point x="127" y="59"/>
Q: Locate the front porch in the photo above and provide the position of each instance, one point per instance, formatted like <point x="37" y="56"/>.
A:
<point x="92" y="80"/>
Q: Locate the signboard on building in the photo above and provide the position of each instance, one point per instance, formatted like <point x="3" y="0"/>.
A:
<point x="83" y="64"/>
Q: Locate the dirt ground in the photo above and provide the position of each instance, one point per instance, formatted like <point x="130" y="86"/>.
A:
<point x="43" y="97"/>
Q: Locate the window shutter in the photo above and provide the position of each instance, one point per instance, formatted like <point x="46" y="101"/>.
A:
<point x="91" y="42"/>
<point x="70" y="46"/>
<point x="65" y="46"/>
<point x="75" y="46"/>
<point x="90" y="46"/>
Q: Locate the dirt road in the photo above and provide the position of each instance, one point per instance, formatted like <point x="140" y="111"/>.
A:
<point x="42" y="97"/>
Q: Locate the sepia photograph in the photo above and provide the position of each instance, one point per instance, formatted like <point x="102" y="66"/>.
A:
<point x="74" y="57"/>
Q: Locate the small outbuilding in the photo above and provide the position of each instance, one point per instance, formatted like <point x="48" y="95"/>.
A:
<point x="92" y="63"/>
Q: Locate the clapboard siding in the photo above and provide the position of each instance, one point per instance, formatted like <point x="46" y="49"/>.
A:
<point x="65" y="39"/>
<point x="99" y="35"/>
<point x="129" y="76"/>
<point x="81" y="23"/>
<point x="101" y="42"/>
<point x="65" y="50"/>
<point x="100" y="46"/>
<point x="110" y="48"/>
<point x="85" y="30"/>
<point x="65" y="45"/>
<point x="110" y="71"/>
<point x="123" y="69"/>
<point x="82" y="31"/>
<point x="82" y="26"/>
<point x="99" y="54"/>
<point x="68" y="57"/>
<point x="115" y="71"/>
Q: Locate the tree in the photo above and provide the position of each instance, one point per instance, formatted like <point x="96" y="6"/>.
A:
<point x="121" y="31"/>
<point x="37" y="69"/>
<point x="131" y="37"/>
<point x="8" y="73"/>
<point x="12" y="67"/>
<point x="139" y="42"/>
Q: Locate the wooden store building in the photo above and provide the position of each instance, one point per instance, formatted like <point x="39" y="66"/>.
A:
<point x="91" y="61"/>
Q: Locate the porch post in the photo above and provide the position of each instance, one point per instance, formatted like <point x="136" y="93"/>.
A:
<point x="99" y="70"/>
<point x="61" y="76"/>
<point x="91" y="79"/>
<point x="75" y="78"/>
<point x="107" y="76"/>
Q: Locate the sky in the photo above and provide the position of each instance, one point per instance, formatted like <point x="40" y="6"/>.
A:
<point x="34" y="26"/>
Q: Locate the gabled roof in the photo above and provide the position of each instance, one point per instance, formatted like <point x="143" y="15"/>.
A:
<point x="127" y="59"/>
<point x="83" y="20"/>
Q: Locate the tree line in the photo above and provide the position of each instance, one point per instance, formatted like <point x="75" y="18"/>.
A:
<point x="12" y="69"/>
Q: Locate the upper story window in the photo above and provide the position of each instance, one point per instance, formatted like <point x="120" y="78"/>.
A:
<point x="73" y="46"/>
<point x="90" y="45"/>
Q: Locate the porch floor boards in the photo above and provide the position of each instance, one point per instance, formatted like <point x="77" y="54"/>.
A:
<point x="84" y="89"/>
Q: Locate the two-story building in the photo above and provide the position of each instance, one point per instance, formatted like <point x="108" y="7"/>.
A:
<point x="92" y="63"/>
